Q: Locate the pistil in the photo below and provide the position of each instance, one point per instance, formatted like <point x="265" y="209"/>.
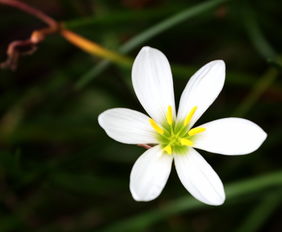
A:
<point x="175" y="137"/>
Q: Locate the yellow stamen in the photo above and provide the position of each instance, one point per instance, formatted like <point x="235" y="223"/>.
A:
<point x="186" y="142"/>
<point x="169" y="118"/>
<point x="156" y="127"/>
<point x="195" y="131"/>
<point x="190" y="115"/>
<point x="168" y="149"/>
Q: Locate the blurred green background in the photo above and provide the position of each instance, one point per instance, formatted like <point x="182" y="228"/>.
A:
<point x="58" y="169"/>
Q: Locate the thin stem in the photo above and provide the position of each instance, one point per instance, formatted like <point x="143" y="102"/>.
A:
<point x="255" y="33"/>
<point x="150" y="33"/>
<point x="233" y="190"/>
<point x="265" y="49"/>
<point x="93" y="48"/>
<point x="259" y="88"/>
<point x="146" y="146"/>
<point x="30" y="10"/>
<point x="169" y="23"/>
<point x="261" y="212"/>
<point x="14" y="52"/>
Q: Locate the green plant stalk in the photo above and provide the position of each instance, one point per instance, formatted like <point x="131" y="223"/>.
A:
<point x="233" y="191"/>
<point x="148" y="34"/>
<point x="255" y="34"/>
<point x="258" y="89"/>
<point x="169" y="23"/>
<point x="262" y="46"/>
<point x="121" y="17"/>
<point x="261" y="213"/>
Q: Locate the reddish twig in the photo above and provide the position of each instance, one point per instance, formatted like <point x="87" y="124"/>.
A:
<point x="30" y="10"/>
<point x="28" y="46"/>
<point x="146" y="146"/>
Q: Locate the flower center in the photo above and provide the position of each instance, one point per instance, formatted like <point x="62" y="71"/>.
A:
<point x="175" y="137"/>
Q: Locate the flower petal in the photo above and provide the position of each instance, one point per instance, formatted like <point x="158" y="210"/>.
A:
<point x="201" y="90"/>
<point x="230" y="136"/>
<point x="127" y="126"/>
<point x="199" y="178"/>
<point x="149" y="174"/>
<point x="152" y="82"/>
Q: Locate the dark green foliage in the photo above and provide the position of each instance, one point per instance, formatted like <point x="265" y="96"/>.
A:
<point x="58" y="169"/>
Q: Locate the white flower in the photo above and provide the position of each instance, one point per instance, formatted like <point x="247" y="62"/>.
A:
<point x="172" y="134"/>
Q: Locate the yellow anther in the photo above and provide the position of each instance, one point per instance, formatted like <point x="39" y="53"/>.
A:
<point x="190" y="115"/>
<point x="195" y="131"/>
<point x="169" y="116"/>
<point x="168" y="149"/>
<point x="186" y="142"/>
<point x="156" y="127"/>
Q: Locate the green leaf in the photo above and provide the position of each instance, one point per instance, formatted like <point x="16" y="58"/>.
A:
<point x="233" y="191"/>
<point x="149" y="34"/>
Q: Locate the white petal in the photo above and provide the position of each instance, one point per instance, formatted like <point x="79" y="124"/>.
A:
<point x="230" y="136"/>
<point x="149" y="174"/>
<point x="201" y="90"/>
<point x="199" y="178"/>
<point x="152" y="82"/>
<point x="127" y="126"/>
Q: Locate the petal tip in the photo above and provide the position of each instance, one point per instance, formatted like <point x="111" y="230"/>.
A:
<point x="134" y="195"/>
<point x="221" y="62"/>
<point x="263" y="137"/>
<point x="218" y="63"/>
<point x="100" y="119"/>
<point x="146" y="49"/>
<point x="138" y="198"/>
<point x="219" y="201"/>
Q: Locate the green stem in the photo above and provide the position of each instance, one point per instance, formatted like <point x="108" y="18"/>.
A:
<point x="265" y="50"/>
<point x="259" y="88"/>
<point x="261" y="213"/>
<point x="255" y="34"/>
<point x="234" y="190"/>
<point x="169" y="23"/>
<point x="149" y="34"/>
<point x="122" y="17"/>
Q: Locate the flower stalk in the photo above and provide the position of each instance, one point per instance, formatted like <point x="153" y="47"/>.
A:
<point x="93" y="48"/>
<point x="29" y="46"/>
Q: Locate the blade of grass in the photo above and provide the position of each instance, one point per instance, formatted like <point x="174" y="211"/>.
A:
<point x="261" y="213"/>
<point x="169" y="23"/>
<point x="121" y="17"/>
<point x="265" y="50"/>
<point x="255" y="34"/>
<point x="234" y="190"/>
<point x="150" y="33"/>
<point x="258" y="89"/>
